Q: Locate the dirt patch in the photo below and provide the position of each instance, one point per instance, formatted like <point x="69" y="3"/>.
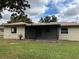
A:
<point x="13" y="43"/>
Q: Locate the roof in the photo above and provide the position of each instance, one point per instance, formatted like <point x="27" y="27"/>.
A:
<point x="18" y="23"/>
<point x="33" y="24"/>
<point x="40" y="24"/>
<point x="69" y="24"/>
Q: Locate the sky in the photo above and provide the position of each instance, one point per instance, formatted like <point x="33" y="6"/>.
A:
<point x="64" y="10"/>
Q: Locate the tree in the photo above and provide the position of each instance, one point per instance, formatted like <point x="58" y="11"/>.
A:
<point x="13" y="16"/>
<point x="45" y="19"/>
<point x="48" y="19"/>
<point x="54" y="19"/>
<point x="41" y="20"/>
<point x="19" y="18"/>
<point x="17" y="6"/>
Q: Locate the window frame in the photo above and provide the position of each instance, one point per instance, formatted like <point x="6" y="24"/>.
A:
<point x="64" y="30"/>
<point x="13" y="29"/>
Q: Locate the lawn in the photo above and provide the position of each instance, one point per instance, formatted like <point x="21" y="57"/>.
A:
<point x="23" y="49"/>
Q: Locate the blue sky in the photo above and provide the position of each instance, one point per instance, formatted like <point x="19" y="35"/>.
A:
<point x="52" y="10"/>
<point x="64" y="10"/>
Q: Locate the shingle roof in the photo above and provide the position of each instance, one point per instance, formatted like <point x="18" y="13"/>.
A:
<point x="18" y="23"/>
<point x="33" y="24"/>
<point x="40" y="24"/>
<point x="69" y="24"/>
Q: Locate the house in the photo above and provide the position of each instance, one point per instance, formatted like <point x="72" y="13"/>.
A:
<point x="1" y="30"/>
<point x="42" y="31"/>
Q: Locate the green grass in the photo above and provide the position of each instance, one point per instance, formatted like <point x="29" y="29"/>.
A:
<point x="22" y="49"/>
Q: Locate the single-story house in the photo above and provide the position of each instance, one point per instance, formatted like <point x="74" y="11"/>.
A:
<point x="42" y="31"/>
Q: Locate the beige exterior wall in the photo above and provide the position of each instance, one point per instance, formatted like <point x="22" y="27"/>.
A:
<point x="1" y="32"/>
<point x="73" y="34"/>
<point x="9" y="35"/>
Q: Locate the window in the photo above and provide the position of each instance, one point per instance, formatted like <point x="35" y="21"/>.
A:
<point x="2" y="30"/>
<point x="64" y="30"/>
<point x="13" y="30"/>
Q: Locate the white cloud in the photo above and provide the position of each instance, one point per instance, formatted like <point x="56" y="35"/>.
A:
<point x="5" y="17"/>
<point x="70" y="12"/>
<point x="37" y="10"/>
<point x="38" y="2"/>
<point x="57" y="1"/>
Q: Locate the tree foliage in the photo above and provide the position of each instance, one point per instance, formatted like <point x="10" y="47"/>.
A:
<point x="19" y="18"/>
<point x="54" y="19"/>
<point x="17" y="6"/>
<point x="41" y="20"/>
<point x="48" y="19"/>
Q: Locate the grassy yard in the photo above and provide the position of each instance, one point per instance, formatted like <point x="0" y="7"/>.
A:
<point x="22" y="49"/>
